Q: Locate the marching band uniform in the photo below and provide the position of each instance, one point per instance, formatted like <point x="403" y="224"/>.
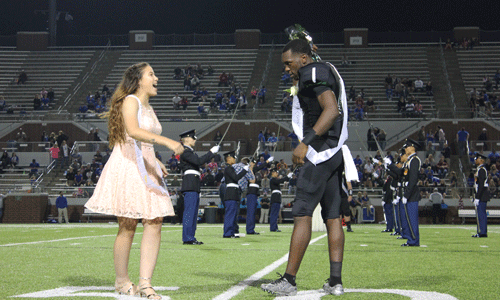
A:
<point x="190" y="167"/>
<point x="481" y="196"/>
<point x="232" y="197"/>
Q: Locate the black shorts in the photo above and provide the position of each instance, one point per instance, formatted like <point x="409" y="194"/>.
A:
<point x="320" y="184"/>
<point x="345" y="209"/>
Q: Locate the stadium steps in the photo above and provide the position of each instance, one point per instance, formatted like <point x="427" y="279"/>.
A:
<point x="95" y="79"/>
<point x="456" y="81"/>
<point x="258" y="71"/>
<point x="439" y="84"/>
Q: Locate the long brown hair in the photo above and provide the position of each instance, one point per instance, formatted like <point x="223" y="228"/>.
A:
<point x="128" y="85"/>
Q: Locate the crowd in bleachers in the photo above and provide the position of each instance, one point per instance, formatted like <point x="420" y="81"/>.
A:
<point x="486" y="99"/>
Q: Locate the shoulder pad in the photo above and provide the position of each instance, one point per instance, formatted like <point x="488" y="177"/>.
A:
<point x="314" y="74"/>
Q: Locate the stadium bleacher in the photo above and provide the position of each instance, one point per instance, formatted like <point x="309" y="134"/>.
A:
<point x="368" y="69"/>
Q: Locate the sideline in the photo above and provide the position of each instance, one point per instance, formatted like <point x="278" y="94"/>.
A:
<point x="235" y="290"/>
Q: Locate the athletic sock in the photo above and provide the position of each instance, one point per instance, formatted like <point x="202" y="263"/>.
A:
<point x="335" y="273"/>
<point x="290" y="279"/>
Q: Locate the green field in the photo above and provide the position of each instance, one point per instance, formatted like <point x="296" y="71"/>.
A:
<point x="77" y="261"/>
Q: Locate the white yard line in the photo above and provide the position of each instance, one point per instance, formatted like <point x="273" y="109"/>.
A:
<point x="235" y="290"/>
<point x="58" y="240"/>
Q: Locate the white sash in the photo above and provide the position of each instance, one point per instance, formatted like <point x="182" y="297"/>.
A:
<point x="140" y="159"/>
<point x="351" y="173"/>
<point x="297" y="124"/>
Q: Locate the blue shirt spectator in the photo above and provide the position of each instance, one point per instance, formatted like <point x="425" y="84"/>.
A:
<point x="61" y="202"/>
<point x="462" y="135"/>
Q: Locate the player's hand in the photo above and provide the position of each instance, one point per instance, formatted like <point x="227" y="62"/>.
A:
<point x="290" y="175"/>
<point x="476" y="202"/>
<point x="376" y="161"/>
<point x="246" y="168"/>
<point x="270" y="159"/>
<point x="299" y="154"/>
<point x="395" y="201"/>
<point x="383" y="203"/>
<point x="215" y="149"/>
<point x="404" y="200"/>
<point x="387" y="161"/>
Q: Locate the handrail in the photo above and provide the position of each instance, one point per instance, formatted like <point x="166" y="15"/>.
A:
<point x="445" y="71"/>
<point x="266" y="72"/>
<point x="85" y="77"/>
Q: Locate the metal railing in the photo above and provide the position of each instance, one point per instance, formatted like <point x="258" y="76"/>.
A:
<point x="85" y="78"/>
<point x="265" y="73"/>
<point x="445" y="71"/>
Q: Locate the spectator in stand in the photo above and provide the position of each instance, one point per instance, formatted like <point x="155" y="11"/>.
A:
<point x="34" y="168"/>
<point x="196" y="95"/>
<point x="230" y="78"/>
<point x="441" y="137"/>
<point x="388" y="87"/>
<point x="272" y="140"/>
<point x="61" y="137"/>
<point x="446" y="152"/>
<point x="176" y="100"/>
<point x="14" y="160"/>
<point x="345" y="60"/>
<point x="187" y="83"/>
<point x="79" y="178"/>
<point x="45" y="103"/>
<point x="409" y="109"/>
<point x="449" y="45"/>
<point x="201" y="110"/>
<point x="178" y="73"/>
<point x="21" y="136"/>
<point x="419" y="85"/>
<point x="462" y="139"/>
<point x="418" y="109"/>
<point x="262" y="95"/>
<point x="218" y="136"/>
<point x="5" y="159"/>
<point x="22" y="78"/>
<point x="223" y="79"/>
<point x="37" y="102"/>
<point x="43" y="93"/>
<point x="358" y="161"/>
<point x="352" y="93"/>
<point x="199" y="71"/>
<point x="401" y="105"/>
<point x="184" y="103"/>
<point x="70" y="177"/>
<point x="210" y="70"/>
<point x="195" y="82"/>
<point x="64" y="154"/>
<point x="493" y="156"/>
<point x="3" y="104"/>
<point x="442" y="168"/>
<point x="428" y="89"/>
<point x="54" y="154"/>
<point x="497" y="78"/>
<point x="188" y="70"/>
<point x="483" y="137"/>
<point x="285" y="78"/>
<point x="173" y="163"/>
<point x="382" y="138"/>
<point x="370" y="105"/>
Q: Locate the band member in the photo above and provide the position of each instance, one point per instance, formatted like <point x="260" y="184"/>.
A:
<point x="190" y="167"/>
<point x="253" y="193"/>
<point x="275" y="184"/>
<point x="387" y="199"/>
<point x="411" y="192"/>
<point x="232" y="194"/>
<point x="481" y="196"/>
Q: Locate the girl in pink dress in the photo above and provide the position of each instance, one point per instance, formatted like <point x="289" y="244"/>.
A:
<point x="130" y="186"/>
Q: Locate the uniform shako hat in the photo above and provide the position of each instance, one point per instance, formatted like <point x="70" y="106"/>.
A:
<point x="230" y="153"/>
<point x="415" y="144"/>
<point x="190" y="133"/>
<point x="479" y="155"/>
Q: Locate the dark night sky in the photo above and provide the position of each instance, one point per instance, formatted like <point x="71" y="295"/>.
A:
<point x="223" y="16"/>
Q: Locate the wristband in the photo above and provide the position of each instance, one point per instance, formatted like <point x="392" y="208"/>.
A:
<point x="309" y="137"/>
<point x="350" y="192"/>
